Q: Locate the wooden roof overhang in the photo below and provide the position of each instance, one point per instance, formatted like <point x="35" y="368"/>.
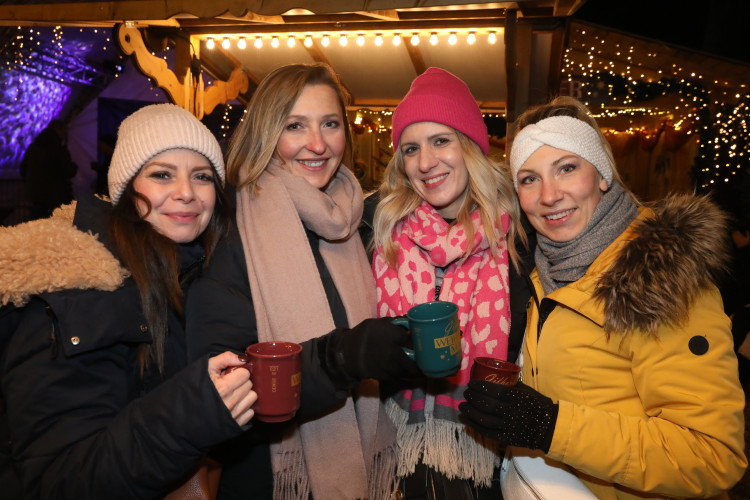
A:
<point x="522" y="69"/>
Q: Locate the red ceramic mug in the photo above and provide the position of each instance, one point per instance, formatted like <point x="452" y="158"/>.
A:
<point x="276" y="373"/>
<point x="495" y="370"/>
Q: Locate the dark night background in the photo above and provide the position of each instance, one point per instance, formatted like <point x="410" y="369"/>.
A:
<point x="718" y="27"/>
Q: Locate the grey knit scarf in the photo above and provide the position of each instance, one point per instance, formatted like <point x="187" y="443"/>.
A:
<point x="563" y="262"/>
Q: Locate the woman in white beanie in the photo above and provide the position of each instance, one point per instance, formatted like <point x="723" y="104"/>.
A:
<point x="101" y="400"/>
<point x="629" y="374"/>
<point x="296" y="270"/>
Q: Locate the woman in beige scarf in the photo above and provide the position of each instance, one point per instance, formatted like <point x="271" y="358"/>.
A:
<point x="297" y="271"/>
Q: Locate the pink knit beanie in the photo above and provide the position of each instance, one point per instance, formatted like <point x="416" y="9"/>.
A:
<point x="441" y="97"/>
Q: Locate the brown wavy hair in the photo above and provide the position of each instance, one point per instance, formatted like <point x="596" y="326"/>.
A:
<point x="155" y="262"/>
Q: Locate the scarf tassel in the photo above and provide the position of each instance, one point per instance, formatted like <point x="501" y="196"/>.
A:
<point x="383" y="481"/>
<point x="473" y="456"/>
<point x="290" y="480"/>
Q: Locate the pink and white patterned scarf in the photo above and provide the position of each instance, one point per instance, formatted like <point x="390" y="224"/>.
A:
<point x="426" y="417"/>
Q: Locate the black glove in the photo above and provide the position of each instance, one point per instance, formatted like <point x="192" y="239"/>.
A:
<point x="517" y="415"/>
<point x="372" y="349"/>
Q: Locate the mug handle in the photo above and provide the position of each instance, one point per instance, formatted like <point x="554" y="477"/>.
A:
<point x="247" y="366"/>
<point x="401" y="321"/>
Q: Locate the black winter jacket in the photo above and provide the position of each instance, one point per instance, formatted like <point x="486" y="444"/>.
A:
<point x="83" y="422"/>
<point x="219" y="317"/>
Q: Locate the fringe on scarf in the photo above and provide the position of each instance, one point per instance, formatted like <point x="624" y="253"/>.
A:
<point x="382" y="477"/>
<point x="450" y="448"/>
<point x="291" y="481"/>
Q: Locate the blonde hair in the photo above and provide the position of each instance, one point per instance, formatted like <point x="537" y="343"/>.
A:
<point x="490" y="191"/>
<point x="253" y="144"/>
<point x="570" y="106"/>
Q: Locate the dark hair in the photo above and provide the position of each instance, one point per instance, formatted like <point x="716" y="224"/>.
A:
<point x="154" y="262"/>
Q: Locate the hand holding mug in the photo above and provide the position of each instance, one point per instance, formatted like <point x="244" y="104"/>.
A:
<point x="234" y="386"/>
<point x="436" y="337"/>
<point x="497" y="371"/>
<point x="276" y="373"/>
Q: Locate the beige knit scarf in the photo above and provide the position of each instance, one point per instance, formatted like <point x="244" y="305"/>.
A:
<point x="349" y="453"/>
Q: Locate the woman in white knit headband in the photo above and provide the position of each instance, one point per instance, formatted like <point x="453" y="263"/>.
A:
<point x="629" y="374"/>
<point x="100" y="397"/>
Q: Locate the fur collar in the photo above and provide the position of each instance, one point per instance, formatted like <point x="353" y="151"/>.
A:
<point x="678" y="250"/>
<point x="50" y="255"/>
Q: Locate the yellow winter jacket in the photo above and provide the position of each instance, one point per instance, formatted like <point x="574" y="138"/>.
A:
<point x="639" y="355"/>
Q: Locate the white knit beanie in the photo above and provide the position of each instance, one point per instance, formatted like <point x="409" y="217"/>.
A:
<point x="152" y="130"/>
<point x="561" y="132"/>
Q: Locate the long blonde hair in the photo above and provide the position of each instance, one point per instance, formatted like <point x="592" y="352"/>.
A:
<point x="490" y="191"/>
<point x="253" y="143"/>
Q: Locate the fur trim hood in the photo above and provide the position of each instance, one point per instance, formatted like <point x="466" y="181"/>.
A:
<point x="51" y="255"/>
<point x="679" y="248"/>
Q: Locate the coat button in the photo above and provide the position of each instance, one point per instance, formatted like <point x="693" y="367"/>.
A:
<point x="144" y="328"/>
<point x="75" y="340"/>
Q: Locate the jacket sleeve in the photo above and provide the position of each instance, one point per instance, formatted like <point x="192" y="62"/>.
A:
<point x="220" y="317"/>
<point x="690" y="440"/>
<point x="80" y="429"/>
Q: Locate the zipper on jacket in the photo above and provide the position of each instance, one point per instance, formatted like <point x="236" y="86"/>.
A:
<point x="54" y="349"/>
<point x="545" y="309"/>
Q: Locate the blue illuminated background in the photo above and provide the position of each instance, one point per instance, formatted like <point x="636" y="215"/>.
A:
<point x="42" y="70"/>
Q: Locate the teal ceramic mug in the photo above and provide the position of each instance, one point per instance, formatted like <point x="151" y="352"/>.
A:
<point x="436" y="337"/>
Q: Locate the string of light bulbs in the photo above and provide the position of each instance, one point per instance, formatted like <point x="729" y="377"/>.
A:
<point x="360" y="38"/>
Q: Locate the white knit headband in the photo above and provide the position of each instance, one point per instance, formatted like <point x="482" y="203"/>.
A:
<point x="561" y="132"/>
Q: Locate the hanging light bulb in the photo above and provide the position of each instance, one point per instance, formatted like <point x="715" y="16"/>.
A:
<point x="325" y="41"/>
<point x="471" y="38"/>
<point x="396" y="39"/>
<point x="275" y="42"/>
<point x="210" y="44"/>
<point x="258" y="42"/>
<point x="343" y="40"/>
<point x="308" y="41"/>
<point x="433" y="39"/>
<point x="291" y="41"/>
<point x="360" y="39"/>
<point x="415" y="39"/>
<point x="225" y="43"/>
<point x="452" y="39"/>
<point x="378" y="40"/>
<point x="242" y="43"/>
<point x="492" y="37"/>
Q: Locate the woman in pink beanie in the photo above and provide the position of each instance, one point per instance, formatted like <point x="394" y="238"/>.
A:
<point x="443" y="230"/>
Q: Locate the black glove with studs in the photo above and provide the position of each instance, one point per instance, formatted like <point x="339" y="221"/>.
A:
<point x="517" y="416"/>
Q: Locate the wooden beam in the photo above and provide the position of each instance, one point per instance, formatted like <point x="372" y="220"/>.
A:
<point x="386" y="15"/>
<point x="252" y="17"/>
<point x="565" y="8"/>
<point x="187" y="92"/>
<point x="417" y="61"/>
<point x="222" y="91"/>
<point x="316" y="53"/>
<point x="222" y="65"/>
<point x="556" y="58"/>
<point x="518" y="38"/>
<point x="102" y="13"/>
<point x="318" y="56"/>
<point x="131" y="43"/>
<point x="204" y="27"/>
